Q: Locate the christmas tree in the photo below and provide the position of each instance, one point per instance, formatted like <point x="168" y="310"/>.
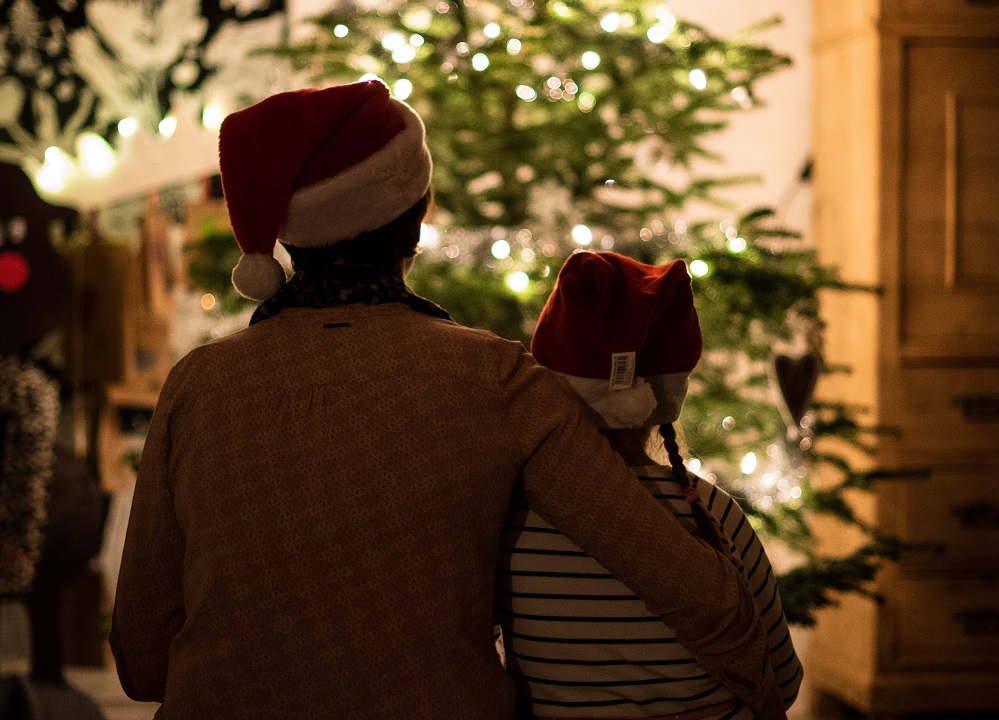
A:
<point x="576" y="124"/>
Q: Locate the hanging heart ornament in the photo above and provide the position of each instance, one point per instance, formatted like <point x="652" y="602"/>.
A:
<point x="796" y="378"/>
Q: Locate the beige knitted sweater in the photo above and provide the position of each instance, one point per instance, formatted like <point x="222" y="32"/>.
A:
<point x="317" y="515"/>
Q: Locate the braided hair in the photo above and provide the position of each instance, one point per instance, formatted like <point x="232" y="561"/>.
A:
<point x="708" y="528"/>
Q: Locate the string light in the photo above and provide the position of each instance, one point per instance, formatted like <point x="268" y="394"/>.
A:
<point x="737" y="244"/>
<point x="341" y="30"/>
<point x="127" y="126"/>
<point x="96" y="156"/>
<point x="402" y="89"/>
<point x="404" y="54"/>
<point x="492" y="30"/>
<point x="699" y="268"/>
<point x="207" y="301"/>
<point x="698" y="79"/>
<point x="55" y="171"/>
<point x="500" y="249"/>
<point x="168" y="126"/>
<point x="430" y="236"/>
<point x="610" y="22"/>
<point x="212" y="116"/>
<point x="748" y="464"/>
<point x="518" y="281"/>
<point x="526" y="93"/>
<point x="582" y="235"/>
<point x="661" y="30"/>
<point x="586" y="101"/>
<point x="480" y="61"/>
<point x="393" y="40"/>
<point x="590" y="60"/>
<point x="416" y="40"/>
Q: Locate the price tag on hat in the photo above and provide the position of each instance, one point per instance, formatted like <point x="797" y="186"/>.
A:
<point x="622" y="370"/>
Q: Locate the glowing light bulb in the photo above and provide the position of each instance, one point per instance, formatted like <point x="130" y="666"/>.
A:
<point x="492" y="30"/>
<point x="587" y="101"/>
<point x="698" y="79"/>
<point x="526" y="92"/>
<point x="610" y="22"/>
<point x="168" y="126"/>
<point x="207" y="301"/>
<point x="694" y="465"/>
<point x="561" y="9"/>
<point x="582" y="235"/>
<point x="393" y="41"/>
<point x="500" y="249"/>
<point x="128" y="126"/>
<point x="212" y="116"/>
<point x="740" y="94"/>
<point x="404" y="54"/>
<point x="402" y="89"/>
<point x="661" y="30"/>
<point x="341" y="30"/>
<point x="55" y="171"/>
<point x="518" y="281"/>
<point x="416" y="40"/>
<point x="737" y="244"/>
<point x="480" y="61"/>
<point x="748" y="464"/>
<point x="699" y="268"/>
<point x="590" y="59"/>
<point x="95" y="154"/>
<point x="430" y="236"/>
<point x="513" y="47"/>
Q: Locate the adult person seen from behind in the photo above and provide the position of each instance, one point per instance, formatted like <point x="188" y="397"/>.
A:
<point x="577" y="641"/>
<point x="321" y="496"/>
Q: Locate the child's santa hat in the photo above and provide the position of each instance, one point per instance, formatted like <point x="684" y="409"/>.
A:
<point x="315" y="167"/>
<point x="624" y="334"/>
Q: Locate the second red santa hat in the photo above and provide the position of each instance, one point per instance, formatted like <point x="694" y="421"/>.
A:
<point x="624" y="334"/>
<point x="315" y="167"/>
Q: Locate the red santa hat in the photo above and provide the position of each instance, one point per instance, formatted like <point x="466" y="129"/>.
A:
<point x="314" y="167"/>
<point x="624" y="334"/>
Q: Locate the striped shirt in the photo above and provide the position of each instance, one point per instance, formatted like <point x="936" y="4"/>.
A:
<point x="579" y="643"/>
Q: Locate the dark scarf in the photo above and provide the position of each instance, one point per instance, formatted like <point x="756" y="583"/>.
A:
<point x="344" y="283"/>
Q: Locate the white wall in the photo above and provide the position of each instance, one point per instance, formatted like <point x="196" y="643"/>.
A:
<point x="773" y="141"/>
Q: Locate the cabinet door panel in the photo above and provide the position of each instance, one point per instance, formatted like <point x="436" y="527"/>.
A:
<point x="950" y="241"/>
<point x="957" y="510"/>
<point x="970" y="9"/>
<point x="948" y="622"/>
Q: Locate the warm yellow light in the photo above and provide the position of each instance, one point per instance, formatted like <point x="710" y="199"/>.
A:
<point x="582" y="235"/>
<point x="95" y="154"/>
<point x="698" y="79"/>
<point x="212" y="116"/>
<point x="590" y="59"/>
<point x="402" y="89"/>
<point x="168" y="126"/>
<point x="699" y="268"/>
<point x="610" y="22"/>
<point x="513" y="47"/>
<point x="128" y="126"/>
<point x="404" y="54"/>
<point x="480" y="61"/>
<point x="737" y="244"/>
<point x="748" y="464"/>
<point x="393" y="41"/>
<point x="526" y="92"/>
<point x="430" y="236"/>
<point x="55" y="171"/>
<point x="492" y="30"/>
<point x="341" y="30"/>
<point x="207" y="301"/>
<point x="518" y="281"/>
<point x="500" y="249"/>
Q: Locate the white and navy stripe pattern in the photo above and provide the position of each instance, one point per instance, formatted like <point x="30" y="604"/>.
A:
<point x="580" y="644"/>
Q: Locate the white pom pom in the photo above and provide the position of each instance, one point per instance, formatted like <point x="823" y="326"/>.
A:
<point x="258" y="277"/>
<point x="625" y="408"/>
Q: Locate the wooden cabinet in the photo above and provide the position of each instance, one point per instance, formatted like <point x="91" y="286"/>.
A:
<point x="906" y="133"/>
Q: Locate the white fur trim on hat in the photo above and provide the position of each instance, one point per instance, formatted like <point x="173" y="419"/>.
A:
<point x="627" y="408"/>
<point x="654" y="400"/>
<point x="365" y="196"/>
<point x="258" y="276"/>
